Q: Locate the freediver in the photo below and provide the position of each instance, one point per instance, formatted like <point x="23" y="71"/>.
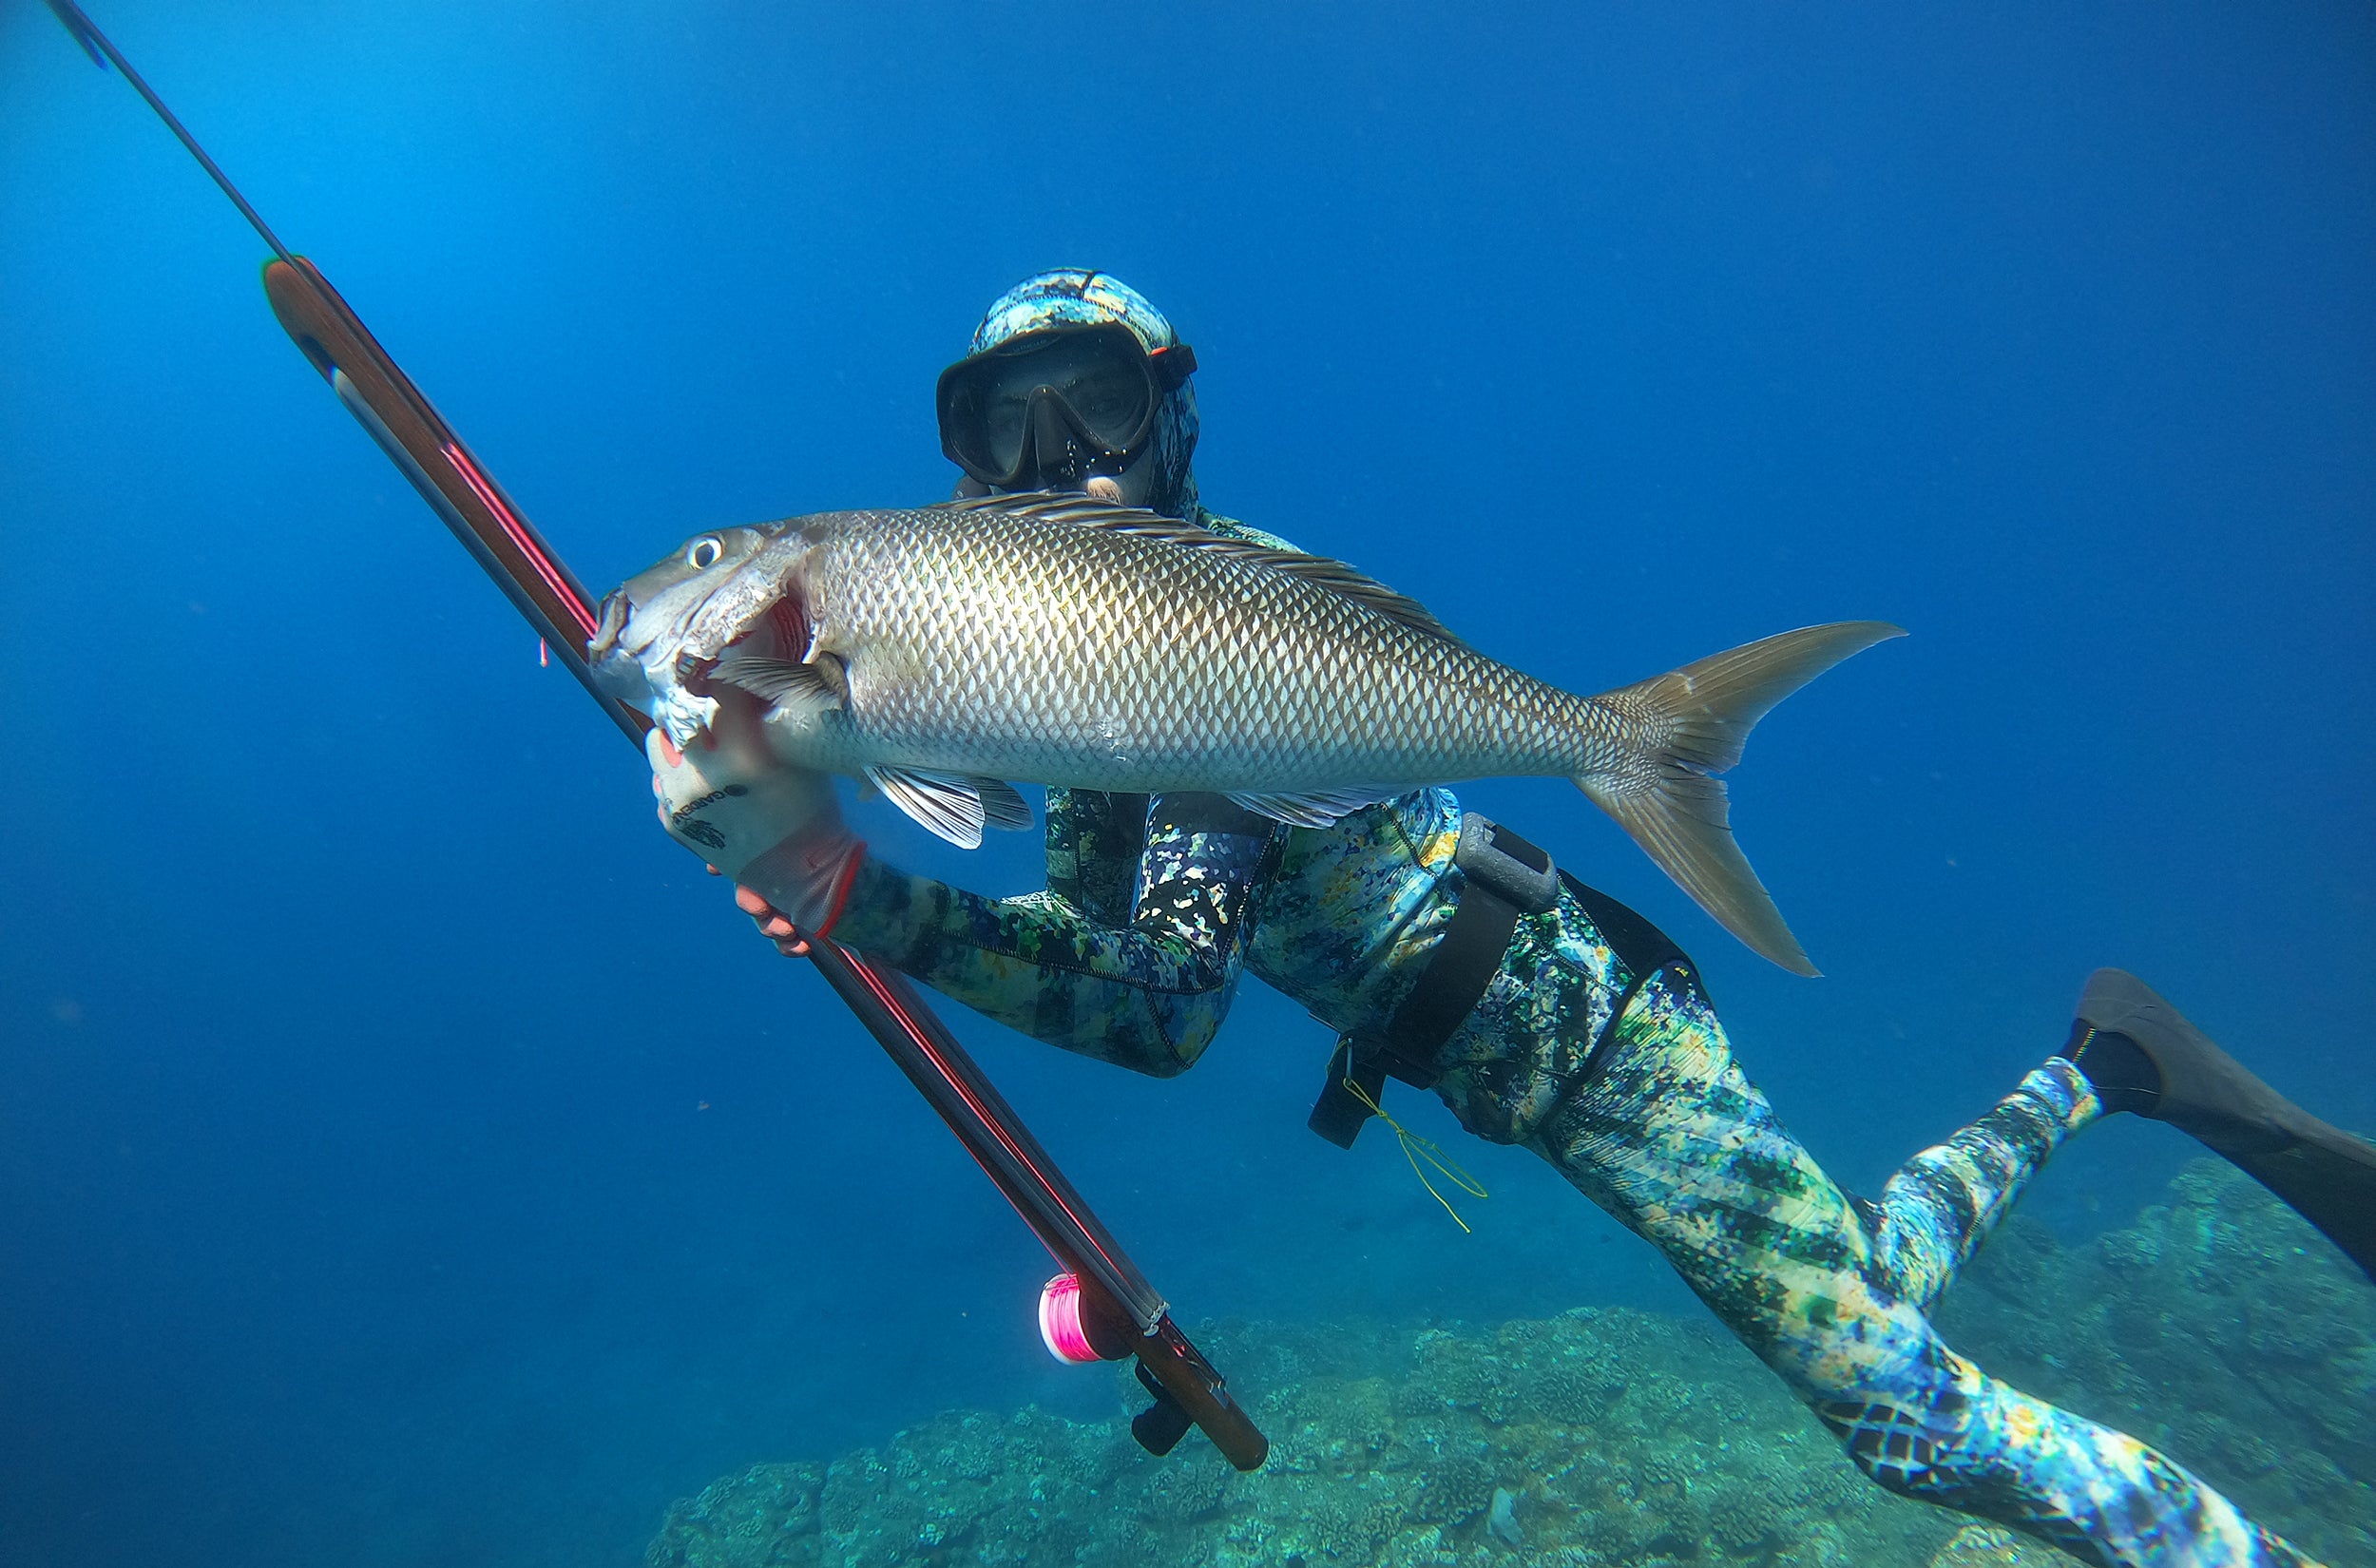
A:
<point x="1450" y="954"/>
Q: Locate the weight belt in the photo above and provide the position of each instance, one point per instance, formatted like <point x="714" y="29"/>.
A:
<point x="1504" y="878"/>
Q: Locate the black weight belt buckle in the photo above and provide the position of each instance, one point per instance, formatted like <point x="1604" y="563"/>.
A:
<point x="1504" y="877"/>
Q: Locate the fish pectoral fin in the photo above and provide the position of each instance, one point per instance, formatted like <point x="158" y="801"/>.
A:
<point x="1312" y="808"/>
<point x="955" y="806"/>
<point x="787" y="683"/>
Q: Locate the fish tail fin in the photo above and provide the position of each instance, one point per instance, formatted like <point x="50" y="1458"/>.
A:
<point x="1689" y="724"/>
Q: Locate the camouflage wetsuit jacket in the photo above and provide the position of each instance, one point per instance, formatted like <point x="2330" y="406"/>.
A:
<point x="1153" y="908"/>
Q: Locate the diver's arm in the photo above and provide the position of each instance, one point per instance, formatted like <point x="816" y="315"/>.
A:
<point x="1148" y="996"/>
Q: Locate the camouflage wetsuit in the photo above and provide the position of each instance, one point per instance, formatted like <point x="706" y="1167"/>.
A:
<point x="1134" y="952"/>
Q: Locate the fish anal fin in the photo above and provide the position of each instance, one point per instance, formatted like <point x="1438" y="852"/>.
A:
<point x="1309" y="809"/>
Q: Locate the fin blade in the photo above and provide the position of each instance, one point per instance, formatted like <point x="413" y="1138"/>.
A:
<point x="1694" y="722"/>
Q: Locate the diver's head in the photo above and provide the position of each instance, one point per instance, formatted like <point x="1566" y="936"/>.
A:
<point x="1075" y="382"/>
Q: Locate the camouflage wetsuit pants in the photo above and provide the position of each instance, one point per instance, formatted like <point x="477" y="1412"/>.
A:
<point x="1630" y="1089"/>
<point x="1671" y="1138"/>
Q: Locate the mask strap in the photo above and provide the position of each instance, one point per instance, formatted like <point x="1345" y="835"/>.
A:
<point x="1172" y="366"/>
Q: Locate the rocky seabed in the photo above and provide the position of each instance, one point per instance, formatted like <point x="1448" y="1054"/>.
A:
<point x="2217" y="1326"/>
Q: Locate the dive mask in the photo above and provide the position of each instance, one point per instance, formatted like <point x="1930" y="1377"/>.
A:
<point x="1054" y="406"/>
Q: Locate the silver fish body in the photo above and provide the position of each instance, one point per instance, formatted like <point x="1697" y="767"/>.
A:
<point x="946" y="650"/>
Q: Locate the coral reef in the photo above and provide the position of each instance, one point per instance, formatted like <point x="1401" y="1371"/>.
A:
<point x="1992" y="1546"/>
<point x="1604" y="1436"/>
<point x="2217" y="1326"/>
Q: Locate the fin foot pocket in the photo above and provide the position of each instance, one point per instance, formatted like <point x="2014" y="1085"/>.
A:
<point x="2323" y="1173"/>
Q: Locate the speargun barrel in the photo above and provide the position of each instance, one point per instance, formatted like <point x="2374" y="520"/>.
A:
<point x="1122" y="1314"/>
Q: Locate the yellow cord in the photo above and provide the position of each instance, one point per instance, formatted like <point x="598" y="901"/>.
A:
<point x="1415" y="1149"/>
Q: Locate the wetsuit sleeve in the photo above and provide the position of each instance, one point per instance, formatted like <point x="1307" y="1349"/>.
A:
<point x="1148" y="994"/>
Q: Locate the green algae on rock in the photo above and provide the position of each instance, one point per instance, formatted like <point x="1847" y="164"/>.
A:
<point x="2218" y="1324"/>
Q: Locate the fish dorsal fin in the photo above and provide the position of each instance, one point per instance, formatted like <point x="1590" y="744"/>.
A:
<point x="955" y="806"/>
<point x="1319" y="570"/>
<point x="1056" y="506"/>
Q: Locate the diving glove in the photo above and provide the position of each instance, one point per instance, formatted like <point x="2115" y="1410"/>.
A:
<point x="775" y="830"/>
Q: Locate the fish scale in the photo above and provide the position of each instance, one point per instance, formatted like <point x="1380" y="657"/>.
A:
<point x="1057" y="640"/>
<point x="1227" y="676"/>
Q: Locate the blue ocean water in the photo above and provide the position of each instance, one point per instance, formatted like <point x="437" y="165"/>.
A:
<point x="407" y="1155"/>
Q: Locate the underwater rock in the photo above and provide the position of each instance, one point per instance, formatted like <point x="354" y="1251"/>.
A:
<point x="1502" y="1518"/>
<point x="2218" y="1326"/>
<point x="765" y="1518"/>
<point x="1992" y="1546"/>
<point x="1631" y="1438"/>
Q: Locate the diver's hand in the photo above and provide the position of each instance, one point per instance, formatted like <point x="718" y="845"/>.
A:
<point x="773" y="922"/>
<point x="776" y="831"/>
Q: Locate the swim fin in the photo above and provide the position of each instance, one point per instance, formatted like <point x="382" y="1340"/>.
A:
<point x="2143" y="1056"/>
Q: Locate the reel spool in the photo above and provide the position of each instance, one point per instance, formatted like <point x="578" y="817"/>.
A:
<point x="1072" y="1329"/>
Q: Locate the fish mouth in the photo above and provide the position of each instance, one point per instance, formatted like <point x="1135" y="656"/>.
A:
<point x="615" y="611"/>
<point x="693" y="675"/>
<point x="663" y="655"/>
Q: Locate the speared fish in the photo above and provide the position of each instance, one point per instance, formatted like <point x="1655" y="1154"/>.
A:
<point x="946" y="652"/>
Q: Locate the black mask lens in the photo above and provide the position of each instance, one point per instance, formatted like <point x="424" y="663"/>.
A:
<point x="1046" y="407"/>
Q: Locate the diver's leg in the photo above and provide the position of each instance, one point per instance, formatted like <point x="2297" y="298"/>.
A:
<point x="1940" y="1205"/>
<point x="1671" y="1137"/>
<point x="2142" y="1055"/>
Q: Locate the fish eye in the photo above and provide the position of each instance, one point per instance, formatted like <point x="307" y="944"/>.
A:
<point x="704" y="552"/>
